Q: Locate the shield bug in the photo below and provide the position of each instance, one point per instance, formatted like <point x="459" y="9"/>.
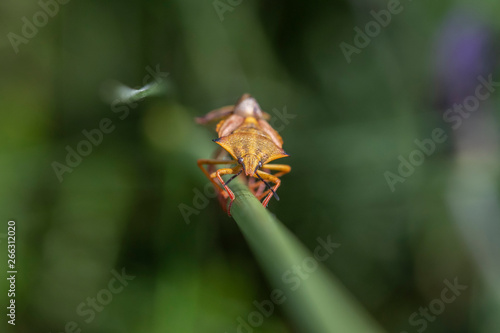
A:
<point x="244" y="133"/>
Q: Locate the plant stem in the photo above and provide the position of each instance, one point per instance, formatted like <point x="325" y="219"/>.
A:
<point x="314" y="299"/>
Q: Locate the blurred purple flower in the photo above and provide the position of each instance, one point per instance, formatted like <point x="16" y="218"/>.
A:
<point x="463" y="52"/>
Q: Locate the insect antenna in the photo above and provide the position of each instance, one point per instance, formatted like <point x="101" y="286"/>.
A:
<point x="269" y="187"/>
<point x="236" y="175"/>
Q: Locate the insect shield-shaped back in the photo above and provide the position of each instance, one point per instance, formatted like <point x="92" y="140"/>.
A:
<point x="250" y="150"/>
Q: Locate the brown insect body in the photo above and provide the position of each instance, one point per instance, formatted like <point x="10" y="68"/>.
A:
<point x="251" y="146"/>
<point x="246" y="135"/>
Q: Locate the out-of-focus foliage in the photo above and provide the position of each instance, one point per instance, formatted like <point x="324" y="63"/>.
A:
<point x="348" y="123"/>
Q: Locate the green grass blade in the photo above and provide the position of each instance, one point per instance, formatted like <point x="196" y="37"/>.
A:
<point x="319" y="303"/>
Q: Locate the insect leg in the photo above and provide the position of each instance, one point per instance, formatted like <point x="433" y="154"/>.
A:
<point x="227" y="171"/>
<point x="202" y="162"/>
<point x="270" y="178"/>
<point x="216" y="114"/>
<point x="281" y="168"/>
<point x="257" y="187"/>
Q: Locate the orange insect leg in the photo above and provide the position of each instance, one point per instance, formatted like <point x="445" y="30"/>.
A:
<point x="202" y="162"/>
<point x="282" y="169"/>
<point x="227" y="171"/>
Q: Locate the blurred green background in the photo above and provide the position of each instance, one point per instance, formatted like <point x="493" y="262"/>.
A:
<point x="349" y="121"/>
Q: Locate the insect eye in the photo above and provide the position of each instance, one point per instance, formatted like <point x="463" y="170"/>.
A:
<point x="240" y="160"/>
